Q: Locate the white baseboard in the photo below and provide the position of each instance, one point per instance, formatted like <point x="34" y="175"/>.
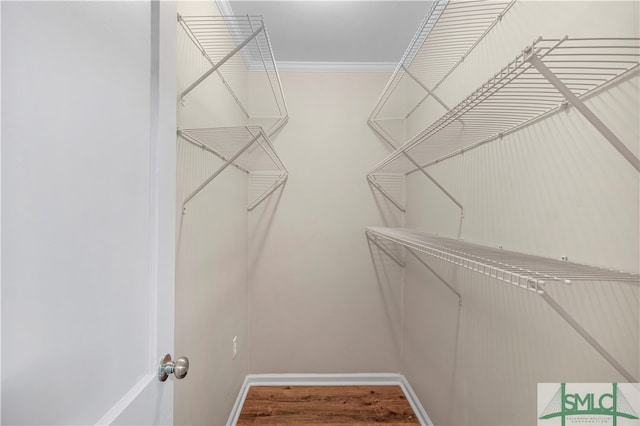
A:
<point x="415" y="403"/>
<point x="379" y="379"/>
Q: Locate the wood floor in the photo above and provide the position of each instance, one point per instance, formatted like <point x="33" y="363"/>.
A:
<point x="334" y="405"/>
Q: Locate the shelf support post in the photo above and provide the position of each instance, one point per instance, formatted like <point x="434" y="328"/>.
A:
<point x="585" y="111"/>
<point x="220" y="170"/>
<point x="220" y="63"/>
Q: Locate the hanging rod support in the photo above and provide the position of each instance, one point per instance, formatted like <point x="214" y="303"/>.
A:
<point x="221" y="62"/>
<point x="588" y="337"/>
<point x="585" y="111"/>
<point x="220" y="170"/>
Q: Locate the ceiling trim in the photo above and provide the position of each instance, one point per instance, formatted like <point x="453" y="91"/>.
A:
<point x="224" y="6"/>
<point x="308" y="66"/>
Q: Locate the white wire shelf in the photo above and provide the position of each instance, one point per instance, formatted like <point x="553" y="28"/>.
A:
<point x="246" y="147"/>
<point x="240" y="53"/>
<point x="448" y="33"/>
<point x="523" y="270"/>
<point x="537" y="82"/>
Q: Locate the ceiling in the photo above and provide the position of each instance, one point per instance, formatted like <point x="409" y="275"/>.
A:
<point x="337" y="31"/>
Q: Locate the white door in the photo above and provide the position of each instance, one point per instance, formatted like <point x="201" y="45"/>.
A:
<point x="88" y="184"/>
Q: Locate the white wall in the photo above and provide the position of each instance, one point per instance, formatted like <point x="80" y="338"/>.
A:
<point x="555" y="188"/>
<point x="212" y="254"/>
<point x="315" y="303"/>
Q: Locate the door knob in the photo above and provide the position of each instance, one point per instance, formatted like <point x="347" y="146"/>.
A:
<point x="179" y="367"/>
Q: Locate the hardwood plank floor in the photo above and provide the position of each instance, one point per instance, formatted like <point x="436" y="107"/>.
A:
<point x="335" y="405"/>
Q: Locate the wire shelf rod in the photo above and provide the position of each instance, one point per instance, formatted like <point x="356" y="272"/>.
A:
<point x="451" y="51"/>
<point x="285" y="115"/>
<point x="277" y="184"/>
<point x="466" y="29"/>
<point x="450" y="39"/>
<point x="248" y="144"/>
<point x="268" y="148"/>
<point x="378" y="243"/>
<point x="423" y="30"/>
<point x="385" y="193"/>
<point x="222" y="61"/>
<point x="587" y="113"/>
<point x="217" y="172"/>
<point x="534" y="268"/>
<point x="240" y="49"/>
<point x="200" y="145"/>
<point x="518" y="79"/>
<point x="278" y="124"/>
<point x="267" y="71"/>
<point x="433" y="95"/>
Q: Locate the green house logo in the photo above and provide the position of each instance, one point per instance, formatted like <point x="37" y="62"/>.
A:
<point x="587" y="405"/>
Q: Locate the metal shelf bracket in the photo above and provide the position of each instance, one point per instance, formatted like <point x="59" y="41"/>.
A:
<point x="585" y="111"/>
<point x="220" y="63"/>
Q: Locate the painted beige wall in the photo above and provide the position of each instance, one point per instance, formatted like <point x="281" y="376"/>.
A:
<point x="315" y="306"/>
<point x="554" y="188"/>
<point x="212" y="253"/>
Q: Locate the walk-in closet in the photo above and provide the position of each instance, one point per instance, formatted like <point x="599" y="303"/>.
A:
<point x="320" y="212"/>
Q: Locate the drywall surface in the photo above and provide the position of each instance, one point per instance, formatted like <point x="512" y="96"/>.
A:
<point x="316" y="305"/>
<point x="212" y="251"/>
<point x="555" y="188"/>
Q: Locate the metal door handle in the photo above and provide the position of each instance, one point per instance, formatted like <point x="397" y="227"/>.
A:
<point x="179" y="367"/>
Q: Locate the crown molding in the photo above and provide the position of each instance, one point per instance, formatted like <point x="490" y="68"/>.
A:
<point x="308" y="66"/>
